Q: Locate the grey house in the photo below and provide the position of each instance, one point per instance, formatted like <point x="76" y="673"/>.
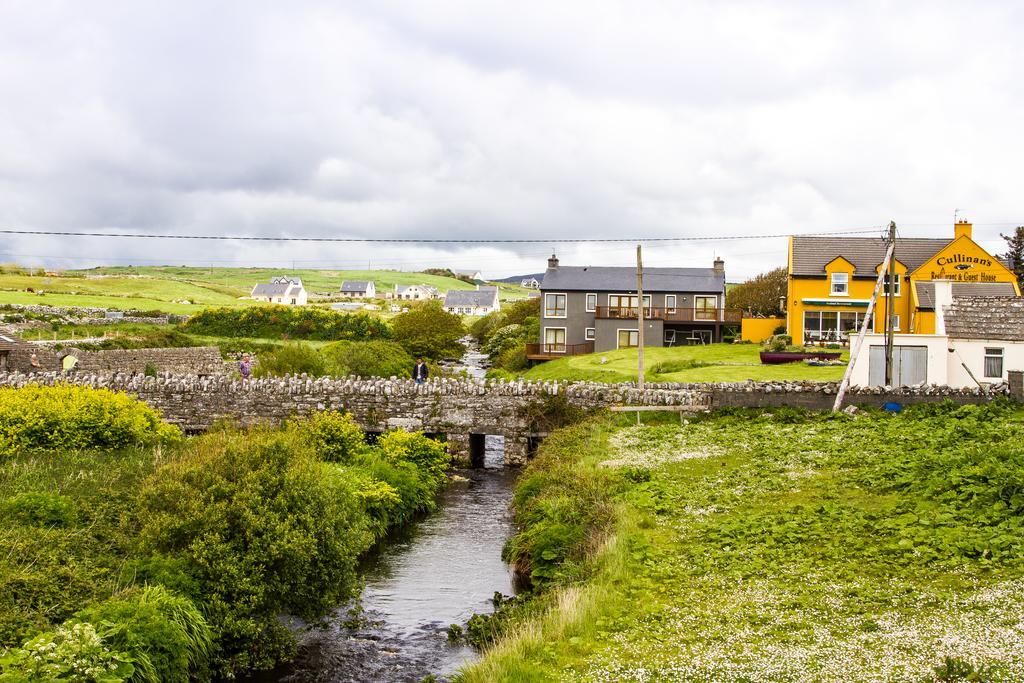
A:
<point x="590" y="309"/>
<point x="358" y="289"/>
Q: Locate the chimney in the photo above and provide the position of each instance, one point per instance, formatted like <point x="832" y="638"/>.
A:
<point x="553" y="261"/>
<point x="943" y="298"/>
<point x="719" y="266"/>
<point x="962" y="229"/>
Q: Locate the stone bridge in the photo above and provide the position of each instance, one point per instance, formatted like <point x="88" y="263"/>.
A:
<point x="465" y="411"/>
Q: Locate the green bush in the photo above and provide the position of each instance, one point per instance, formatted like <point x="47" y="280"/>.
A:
<point x="291" y="359"/>
<point x="368" y="359"/>
<point x="41" y="509"/>
<point x="73" y="652"/>
<point x="428" y="331"/>
<point x="416" y="490"/>
<point x="66" y="417"/>
<point x="513" y="360"/>
<point x="427" y="455"/>
<point x="333" y="436"/>
<point x="267" y="528"/>
<point x="165" y="634"/>
<point x="286" y="322"/>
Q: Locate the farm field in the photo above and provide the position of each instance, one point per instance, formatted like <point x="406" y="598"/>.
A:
<point x="164" y="287"/>
<point x="774" y="546"/>
<point x="711" y="363"/>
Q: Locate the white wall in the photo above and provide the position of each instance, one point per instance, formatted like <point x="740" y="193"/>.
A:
<point x="945" y="367"/>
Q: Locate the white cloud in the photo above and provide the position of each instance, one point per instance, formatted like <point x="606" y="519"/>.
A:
<point x="488" y="119"/>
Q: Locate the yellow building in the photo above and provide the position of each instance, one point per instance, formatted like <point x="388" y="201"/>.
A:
<point x="831" y="280"/>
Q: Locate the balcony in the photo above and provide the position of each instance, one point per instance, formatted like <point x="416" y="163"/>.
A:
<point x="552" y="351"/>
<point x="732" y="316"/>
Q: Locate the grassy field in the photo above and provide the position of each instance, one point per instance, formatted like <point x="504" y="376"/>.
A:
<point x="775" y="547"/>
<point x="711" y="363"/>
<point x="163" y="287"/>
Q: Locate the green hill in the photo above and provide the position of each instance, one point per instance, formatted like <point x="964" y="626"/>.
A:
<point x="168" y="288"/>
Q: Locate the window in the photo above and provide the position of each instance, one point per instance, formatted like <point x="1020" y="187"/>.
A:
<point x="670" y="303"/>
<point x="670" y="337"/>
<point x="831" y="325"/>
<point x="591" y="303"/>
<point x="293" y="302"/>
<point x="554" y="339"/>
<point x="628" y="339"/>
<point x="885" y="285"/>
<point x="624" y="305"/>
<point x="840" y="284"/>
<point x="554" y="305"/>
<point x="994" y="362"/>
<point x="896" y="322"/>
<point x="588" y="334"/>
<point x="705" y="307"/>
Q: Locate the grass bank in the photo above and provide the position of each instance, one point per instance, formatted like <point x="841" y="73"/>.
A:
<point x="710" y="363"/>
<point x="130" y="553"/>
<point x="776" y="547"/>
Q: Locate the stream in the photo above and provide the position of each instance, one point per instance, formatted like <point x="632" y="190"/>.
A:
<point x="438" y="571"/>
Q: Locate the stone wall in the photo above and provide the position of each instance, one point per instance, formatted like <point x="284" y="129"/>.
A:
<point x="458" y="408"/>
<point x="453" y="407"/>
<point x="1016" y="384"/>
<point x="204" y="360"/>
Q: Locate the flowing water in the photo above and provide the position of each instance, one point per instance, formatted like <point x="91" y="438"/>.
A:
<point x="438" y="571"/>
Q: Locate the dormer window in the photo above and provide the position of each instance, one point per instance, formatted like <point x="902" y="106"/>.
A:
<point x="840" y="284"/>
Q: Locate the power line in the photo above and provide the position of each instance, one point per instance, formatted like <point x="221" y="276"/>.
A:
<point x="421" y="240"/>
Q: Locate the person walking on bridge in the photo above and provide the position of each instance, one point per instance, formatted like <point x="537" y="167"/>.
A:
<point x="420" y="371"/>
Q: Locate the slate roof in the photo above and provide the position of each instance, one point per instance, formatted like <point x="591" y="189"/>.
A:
<point x="812" y="254"/>
<point x="355" y="285"/>
<point x="401" y="289"/>
<point x="279" y="286"/>
<point x="976" y="317"/>
<point x="469" y="297"/>
<point x="926" y="291"/>
<point x="619" y="279"/>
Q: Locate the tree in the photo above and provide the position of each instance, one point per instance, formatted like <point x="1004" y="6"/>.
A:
<point x="428" y="331"/>
<point x="1015" y="252"/>
<point x="761" y="295"/>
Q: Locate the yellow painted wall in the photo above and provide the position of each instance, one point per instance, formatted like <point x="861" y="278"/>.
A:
<point x="962" y="260"/>
<point x="758" y="329"/>
<point x="924" y="322"/>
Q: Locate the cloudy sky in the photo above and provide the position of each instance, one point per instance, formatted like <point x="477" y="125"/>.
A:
<point x="525" y="120"/>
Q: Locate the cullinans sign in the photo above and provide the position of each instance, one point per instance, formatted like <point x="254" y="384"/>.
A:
<point x="962" y="268"/>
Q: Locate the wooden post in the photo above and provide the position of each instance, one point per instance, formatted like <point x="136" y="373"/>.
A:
<point x="855" y="346"/>
<point x="890" y="305"/>
<point x="639" y="321"/>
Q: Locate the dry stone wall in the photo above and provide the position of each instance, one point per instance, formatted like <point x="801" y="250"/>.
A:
<point x="203" y="360"/>
<point x="458" y="408"/>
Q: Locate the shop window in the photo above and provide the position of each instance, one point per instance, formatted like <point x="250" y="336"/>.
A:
<point x="993" y="362"/>
<point x="831" y="325"/>
<point x="840" y="284"/>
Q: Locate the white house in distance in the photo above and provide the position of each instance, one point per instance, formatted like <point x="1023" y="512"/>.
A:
<point x="481" y="301"/>
<point x="530" y="283"/>
<point x="416" y="292"/>
<point x="977" y="340"/>
<point x="281" y="290"/>
<point x="358" y="289"/>
<point x="471" y="274"/>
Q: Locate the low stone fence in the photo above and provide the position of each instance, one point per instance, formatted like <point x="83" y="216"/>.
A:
<point x="194" y="360"/>
<point x="89" y="315"/>
<point x="462" y="409"/>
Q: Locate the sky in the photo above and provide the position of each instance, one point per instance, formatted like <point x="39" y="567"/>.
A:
<point x="496" y="120"/>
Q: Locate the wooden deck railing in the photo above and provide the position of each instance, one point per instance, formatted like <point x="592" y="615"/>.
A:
<point x="674" y="315"/>
<point x="537" y="351"/>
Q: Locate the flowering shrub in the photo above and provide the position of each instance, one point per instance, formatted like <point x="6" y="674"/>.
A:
<point x="74" y="652"/>
<point x="66" y="417"/>
<point x="334" y="436"/>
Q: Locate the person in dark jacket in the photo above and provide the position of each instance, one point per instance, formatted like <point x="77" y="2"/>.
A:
<point x="420" y="372"/>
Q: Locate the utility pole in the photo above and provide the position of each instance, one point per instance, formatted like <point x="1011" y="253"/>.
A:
<point x="890" y="305"/>
<point x="639" y="319"/>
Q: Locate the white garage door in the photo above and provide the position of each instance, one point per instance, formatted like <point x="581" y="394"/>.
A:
<point x="909" y="365"/>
